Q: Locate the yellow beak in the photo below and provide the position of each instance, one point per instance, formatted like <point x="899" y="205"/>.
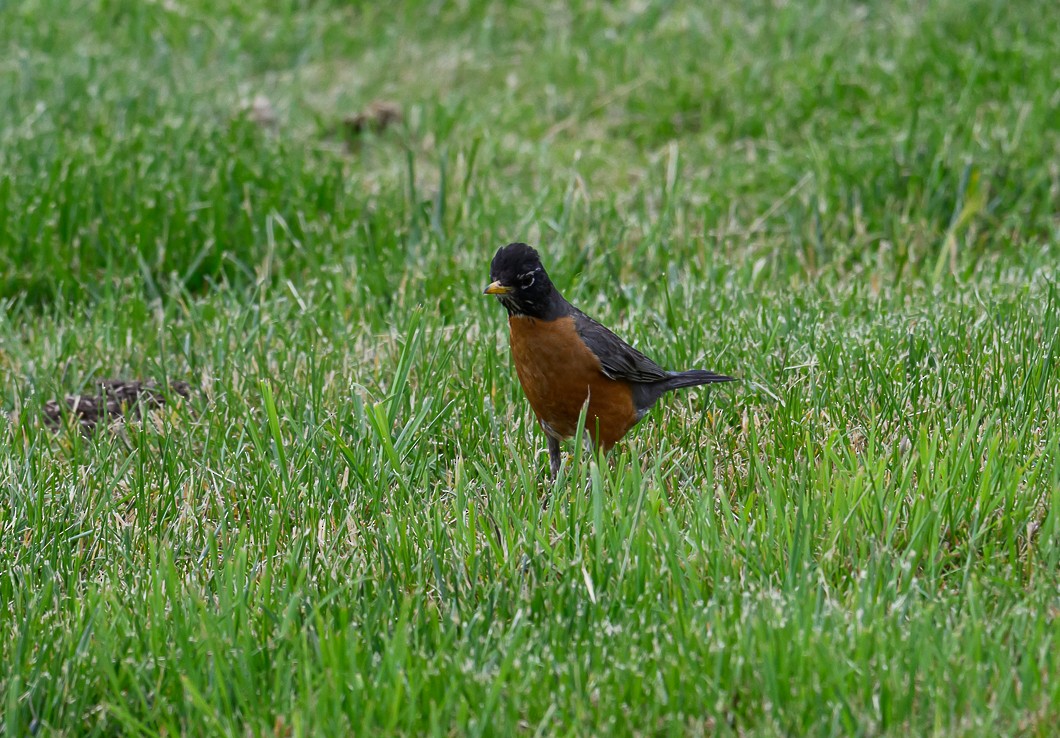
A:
<point x="496" y="288"/>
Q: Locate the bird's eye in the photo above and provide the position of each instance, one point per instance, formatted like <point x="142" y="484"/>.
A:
<point x="526" y="280"/>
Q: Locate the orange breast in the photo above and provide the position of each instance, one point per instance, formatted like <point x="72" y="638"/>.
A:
<point x="558" y="373"/>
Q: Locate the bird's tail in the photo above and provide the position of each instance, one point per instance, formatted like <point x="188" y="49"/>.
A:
<point x="693" y="378"/>
<point x="646" y="395"/>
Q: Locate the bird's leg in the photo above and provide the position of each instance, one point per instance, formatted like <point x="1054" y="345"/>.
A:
<point x="588" y="445"/>
<point x="553" y="455"/>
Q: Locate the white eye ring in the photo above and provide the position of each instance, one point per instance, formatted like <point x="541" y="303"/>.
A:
<point x="526" y="284"/>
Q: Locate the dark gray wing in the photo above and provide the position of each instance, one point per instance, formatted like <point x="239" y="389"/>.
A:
<point x="618" y="359"/>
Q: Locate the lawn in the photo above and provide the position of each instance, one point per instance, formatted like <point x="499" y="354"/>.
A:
<point x="348" y="529"/>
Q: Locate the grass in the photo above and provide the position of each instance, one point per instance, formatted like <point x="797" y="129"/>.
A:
<point x="852" y="207"/>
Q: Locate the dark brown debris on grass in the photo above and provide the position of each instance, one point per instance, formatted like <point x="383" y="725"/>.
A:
<point x="377" y="117"/>
<point x="115" y="399"/>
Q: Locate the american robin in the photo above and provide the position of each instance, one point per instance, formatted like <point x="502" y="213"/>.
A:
<point x="564" y="358"/>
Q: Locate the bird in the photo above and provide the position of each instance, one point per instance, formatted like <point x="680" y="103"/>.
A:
<point x="565" y="359"/>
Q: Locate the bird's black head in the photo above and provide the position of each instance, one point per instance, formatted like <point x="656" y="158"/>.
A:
<point x="521" y="284"/>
